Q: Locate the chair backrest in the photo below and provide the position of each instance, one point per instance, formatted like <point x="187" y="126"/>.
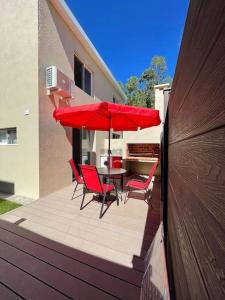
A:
<point x="117" y="162"/>
<point x="75" y="172"/>
<point x="91" y="178"/>
<point x="151" y="173"/>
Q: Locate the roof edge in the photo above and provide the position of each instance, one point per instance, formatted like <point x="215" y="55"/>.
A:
<point x="161" y="86"/>
<point x="67" y="15"/>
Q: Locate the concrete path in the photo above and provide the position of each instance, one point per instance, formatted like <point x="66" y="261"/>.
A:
<point x="16" y="198"/>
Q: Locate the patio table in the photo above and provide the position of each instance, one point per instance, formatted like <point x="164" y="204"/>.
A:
<point x="110" y="172"/>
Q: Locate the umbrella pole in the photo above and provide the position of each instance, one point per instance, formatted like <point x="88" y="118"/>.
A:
<point x="109" y="148"/>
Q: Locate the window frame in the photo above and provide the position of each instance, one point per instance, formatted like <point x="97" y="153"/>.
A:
<point x="9" y="144"/>
<point x="84" y="66"/>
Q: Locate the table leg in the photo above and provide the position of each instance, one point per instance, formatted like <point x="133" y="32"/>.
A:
<point x="121" y="183"/>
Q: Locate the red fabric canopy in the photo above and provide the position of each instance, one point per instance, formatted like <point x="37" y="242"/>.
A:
<point x="106" y="115"/>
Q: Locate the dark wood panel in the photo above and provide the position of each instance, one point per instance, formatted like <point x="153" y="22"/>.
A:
<point x="196" y="157"/>
<point x="204" y="23"/>
<point x="200" y="161"/>
<point x="192" y="16"/>
<point x="201" y="111"/>
<point x="180" y="285"/>
<point x="206" y="241"/>
<point x="191" y="275"/>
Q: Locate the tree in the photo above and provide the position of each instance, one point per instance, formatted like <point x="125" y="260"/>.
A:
<point x="159" y="67"/>
<point x="140" y="91"/>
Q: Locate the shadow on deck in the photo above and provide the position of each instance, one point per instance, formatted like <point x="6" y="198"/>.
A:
<point x="33" y="266"/>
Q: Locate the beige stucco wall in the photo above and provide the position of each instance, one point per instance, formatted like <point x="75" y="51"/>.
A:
<point x="19" y="91"/>
<point x="148" y="135"/>
<point x="57" y="45"/>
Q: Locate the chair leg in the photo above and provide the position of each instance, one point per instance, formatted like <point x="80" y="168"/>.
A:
<point x="121" y="183"/>
<point x="149" y="201"/>
<point x="118" y="193"/>
<point x="149" y="198"/>
<point x="103" y="202"/>
<point x="117" y="196"/>
<point x="82" y="202"/>
<point x="74" y="190"/>
<point x="126" y="198"/>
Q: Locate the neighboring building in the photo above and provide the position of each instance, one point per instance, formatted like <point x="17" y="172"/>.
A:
<point x="34" y="149"/>
<point x="144" y="143"/>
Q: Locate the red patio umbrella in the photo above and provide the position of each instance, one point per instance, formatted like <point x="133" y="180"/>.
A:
<point x="105" y="116"/>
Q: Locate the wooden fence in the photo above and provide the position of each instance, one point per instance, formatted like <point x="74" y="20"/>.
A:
<point x="196" y="157"/>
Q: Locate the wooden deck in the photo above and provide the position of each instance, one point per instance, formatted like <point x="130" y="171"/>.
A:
<point x="56" y="251"/>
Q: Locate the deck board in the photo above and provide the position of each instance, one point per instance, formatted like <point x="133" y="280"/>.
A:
<point x="125" y="274"/>
<point x="6" y="293"/>
<point x="60" y="252"/>
<point x="25" y="285"/>
<point x="90" y="275"/>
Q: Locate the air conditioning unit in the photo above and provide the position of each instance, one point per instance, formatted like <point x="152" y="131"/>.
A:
<point x="59" y="83"/>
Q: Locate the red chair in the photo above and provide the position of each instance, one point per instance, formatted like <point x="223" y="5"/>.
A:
<point x="93" y="184"/>
<point x="78" y="179"/>
<point x="140" y="185"/>
<point x="117" y="163"/>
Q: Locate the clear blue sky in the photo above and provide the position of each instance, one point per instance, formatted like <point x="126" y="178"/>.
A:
<point x="128" y="33"/>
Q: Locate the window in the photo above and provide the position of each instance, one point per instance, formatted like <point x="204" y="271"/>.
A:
<point x="115" y="136"/>
<point x="78" y="72"/>
<point x="84" y="134"/>
<point x="114" y="99"/>
<point x="87" y="82"/>
<point x="82" y="76"/>
<point x="86" y="145"/>
<point x="8" y="136"/>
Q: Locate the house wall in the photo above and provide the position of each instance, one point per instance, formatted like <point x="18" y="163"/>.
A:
<point x="57" y="45"/>
<point x="196" y="160"/>
<point x="19" y="164"/>
<point x="152" y="134"/>
<point x="148" y="135"/>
